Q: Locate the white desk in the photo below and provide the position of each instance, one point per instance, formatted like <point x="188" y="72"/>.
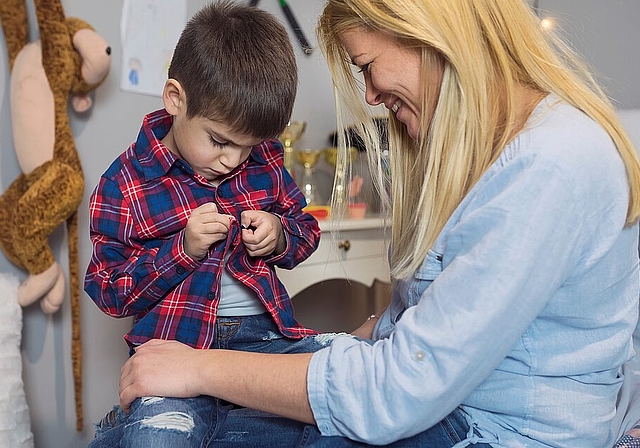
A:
<point x="352" y="249"/>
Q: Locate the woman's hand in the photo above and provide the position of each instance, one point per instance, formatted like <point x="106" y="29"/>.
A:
<point x="159" y="368"/>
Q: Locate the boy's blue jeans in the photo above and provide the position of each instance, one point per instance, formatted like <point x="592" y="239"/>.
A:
<point x="192" y="422"/>
<point x="206" y="421"/>
<point x="231" y="427"/>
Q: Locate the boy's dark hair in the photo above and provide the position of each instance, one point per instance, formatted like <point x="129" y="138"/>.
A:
<point x="237" y="66"/>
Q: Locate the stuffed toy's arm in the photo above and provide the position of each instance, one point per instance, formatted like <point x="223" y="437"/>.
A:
<point x="58" y="55"/>
<point x="15" y="24"/>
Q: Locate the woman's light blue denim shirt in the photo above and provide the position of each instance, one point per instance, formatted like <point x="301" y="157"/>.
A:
<point x="521" y="314"/>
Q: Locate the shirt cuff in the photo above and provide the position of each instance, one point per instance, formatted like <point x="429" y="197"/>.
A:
<point x="173" y="263"/>
<point x="286" y="230"/>
<point x="316" y="389"/>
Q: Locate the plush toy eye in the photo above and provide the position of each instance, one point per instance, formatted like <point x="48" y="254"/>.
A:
<point x="108" y="50"/>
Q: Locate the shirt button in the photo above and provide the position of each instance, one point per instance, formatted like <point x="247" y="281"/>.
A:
<point x="210" y="296"/>
<point x="419" y="355"/>
<point x="180" y="270"/>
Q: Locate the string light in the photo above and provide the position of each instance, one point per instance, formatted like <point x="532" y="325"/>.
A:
<point x="547" y="23"/>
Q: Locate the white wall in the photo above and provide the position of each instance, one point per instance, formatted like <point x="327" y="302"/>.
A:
<point x="631" y="120"/>
<point x="607" y="34"/>
<point x="100" y="137"/>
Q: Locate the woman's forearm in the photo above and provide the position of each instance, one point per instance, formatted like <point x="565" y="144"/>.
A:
<point x="266" y="382"/>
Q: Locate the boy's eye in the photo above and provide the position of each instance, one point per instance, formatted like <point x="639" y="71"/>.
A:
<point x="216" y="143"/>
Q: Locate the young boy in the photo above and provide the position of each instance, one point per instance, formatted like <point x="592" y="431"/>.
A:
<point x="189" y="223"/>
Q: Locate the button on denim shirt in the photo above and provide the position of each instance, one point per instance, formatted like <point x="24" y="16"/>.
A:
<point x="521" y="314"/>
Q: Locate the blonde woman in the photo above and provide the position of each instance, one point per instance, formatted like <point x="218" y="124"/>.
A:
<point x="514" y="195"/>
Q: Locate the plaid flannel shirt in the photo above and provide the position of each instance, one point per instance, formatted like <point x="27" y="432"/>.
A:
<point x="139" y="211"/>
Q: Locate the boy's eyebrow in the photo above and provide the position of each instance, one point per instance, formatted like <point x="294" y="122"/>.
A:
<point x="222" y="138"/>
<point x="227" y="141"/>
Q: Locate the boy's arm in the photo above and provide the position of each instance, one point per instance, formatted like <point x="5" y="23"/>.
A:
<point x="126" y="277"/>
<point x="300" y="229"/>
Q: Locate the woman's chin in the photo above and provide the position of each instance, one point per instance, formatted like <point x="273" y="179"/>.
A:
<point x="412" y="125"/>
<point x="412" y="130"/>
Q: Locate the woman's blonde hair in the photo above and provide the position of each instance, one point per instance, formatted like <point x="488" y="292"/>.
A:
<point x="487" y="49"/>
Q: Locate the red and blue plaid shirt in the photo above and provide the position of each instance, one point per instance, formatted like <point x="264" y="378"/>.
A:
<point x="139" y="211"/>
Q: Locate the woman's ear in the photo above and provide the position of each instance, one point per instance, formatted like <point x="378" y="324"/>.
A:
<point x="173" y="97"/>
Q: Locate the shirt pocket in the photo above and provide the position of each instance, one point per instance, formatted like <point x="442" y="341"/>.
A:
<point x="407" y="293"/>
<point x="424" y="276"/>
<point x="257" y="200"/>
<point x="251" y="200"/>
<point x="430" y="268"/>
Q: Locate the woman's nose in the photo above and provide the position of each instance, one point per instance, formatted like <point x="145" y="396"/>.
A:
<point x="371" y="95"/>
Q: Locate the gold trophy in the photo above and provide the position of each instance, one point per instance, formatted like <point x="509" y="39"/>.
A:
<point x="308" y="158"/>
<point x="341" y="170"/>
<point x="289" y="136"/>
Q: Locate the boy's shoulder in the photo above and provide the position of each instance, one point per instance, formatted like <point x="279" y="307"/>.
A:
<point x="269" y="152"/>
<point x="126" y="163"/>
<point x="143" y="158"/>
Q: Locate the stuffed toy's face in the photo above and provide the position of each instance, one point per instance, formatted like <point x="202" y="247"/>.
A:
<point x="95" y="54"/>
<point x="95" y="58"/>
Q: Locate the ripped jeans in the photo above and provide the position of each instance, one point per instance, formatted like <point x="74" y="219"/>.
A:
<point x="233" y="427"/>
<point x="193" y="422"/>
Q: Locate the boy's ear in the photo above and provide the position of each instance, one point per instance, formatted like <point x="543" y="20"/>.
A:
<point x="173" y="97"/>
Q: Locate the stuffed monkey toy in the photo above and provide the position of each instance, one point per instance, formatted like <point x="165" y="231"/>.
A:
<point x="68" y="60"/>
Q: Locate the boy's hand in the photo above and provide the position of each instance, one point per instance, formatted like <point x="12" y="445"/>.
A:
<point x="262" y="233"/>
<point x="204" y="227"/>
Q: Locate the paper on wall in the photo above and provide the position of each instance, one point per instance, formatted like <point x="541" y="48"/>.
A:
<point x="149" y="32"/>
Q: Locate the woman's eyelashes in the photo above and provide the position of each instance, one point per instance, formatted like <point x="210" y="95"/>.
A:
<point x="364" y="68"/>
